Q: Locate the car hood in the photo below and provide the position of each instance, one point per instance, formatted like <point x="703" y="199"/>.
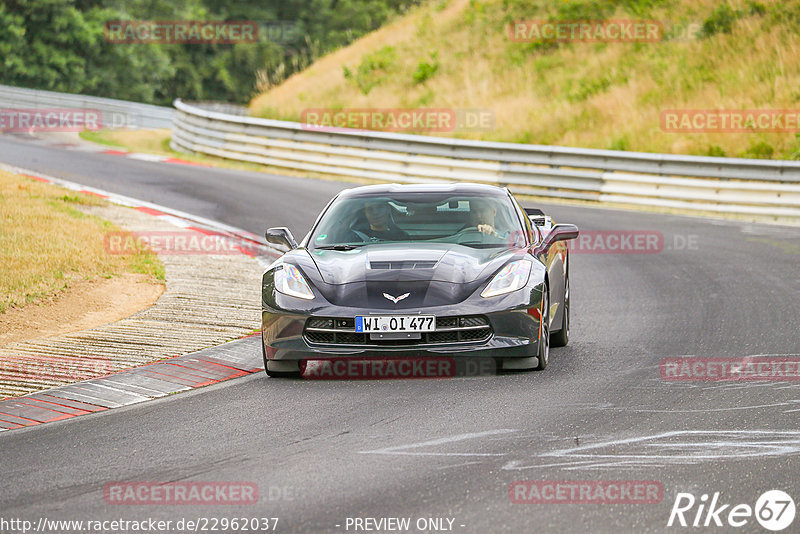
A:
<point x="432" y="273"/>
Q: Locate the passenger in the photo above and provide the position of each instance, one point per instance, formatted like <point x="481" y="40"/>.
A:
<point x="381" y="226"/>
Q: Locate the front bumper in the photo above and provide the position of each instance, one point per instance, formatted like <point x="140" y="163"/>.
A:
<point x="513" y="320"/>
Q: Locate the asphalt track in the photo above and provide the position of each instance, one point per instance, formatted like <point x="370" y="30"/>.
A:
<point x="324" y="451"/>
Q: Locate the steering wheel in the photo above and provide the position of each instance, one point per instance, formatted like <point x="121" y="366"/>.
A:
<point x="471" y="231"/>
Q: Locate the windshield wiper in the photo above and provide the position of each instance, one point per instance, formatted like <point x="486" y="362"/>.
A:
<point x="338" y="247"/>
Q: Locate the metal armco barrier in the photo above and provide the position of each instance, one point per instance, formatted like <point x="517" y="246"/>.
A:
<point x="732" y="185"/>
<point x="115" y="113"/>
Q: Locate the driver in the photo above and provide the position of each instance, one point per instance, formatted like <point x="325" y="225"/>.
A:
<point x="381" y="225"/>
<point x="482" y="215"/>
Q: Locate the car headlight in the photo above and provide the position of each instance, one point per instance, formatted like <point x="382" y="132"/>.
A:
<point x="289" y="281"/>
<point x="510" y="278"/>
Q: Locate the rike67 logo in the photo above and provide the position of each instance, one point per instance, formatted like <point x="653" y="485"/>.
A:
<point x="774" y="510"/>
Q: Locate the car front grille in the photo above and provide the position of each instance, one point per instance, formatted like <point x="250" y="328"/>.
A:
<point x="341" y="331"/>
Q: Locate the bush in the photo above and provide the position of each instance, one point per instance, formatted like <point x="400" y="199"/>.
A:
<point x="587" y="88"/>
<point x="720" y="21"/>
<point x="426" y="70"/>
<point x="760" y="150"/>
<point x="372" y="70"/>
<point x="620" y="143"/>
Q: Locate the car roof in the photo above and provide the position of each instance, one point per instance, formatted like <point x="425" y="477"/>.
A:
<point x="454" y="188"/>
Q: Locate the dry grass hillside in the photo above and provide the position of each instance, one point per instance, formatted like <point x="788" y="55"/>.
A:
<point x="739" y="54"/>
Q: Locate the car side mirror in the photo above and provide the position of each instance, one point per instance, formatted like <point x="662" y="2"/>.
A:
<point x="560" y="232"/>
<point x="281" y="235"/>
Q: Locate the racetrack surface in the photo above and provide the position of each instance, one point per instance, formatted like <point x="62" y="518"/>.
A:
<point x="322" y="451"/>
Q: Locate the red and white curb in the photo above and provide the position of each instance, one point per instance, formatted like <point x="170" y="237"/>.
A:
<point x="152" y="157"/>
<point x="88" y="146"/>
<point x="132" y="386"/>
<point x="157" y="379"/>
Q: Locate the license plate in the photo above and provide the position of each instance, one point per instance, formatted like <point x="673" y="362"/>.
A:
<point x="395" y="323"/>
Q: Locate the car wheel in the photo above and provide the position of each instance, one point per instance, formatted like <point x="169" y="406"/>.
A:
<point x="544" y="339"/>
<point x="281" y="368"/>
<point x="561" y="337"/>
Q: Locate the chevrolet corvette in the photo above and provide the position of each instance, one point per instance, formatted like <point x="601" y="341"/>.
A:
<point x="418" y="271"/>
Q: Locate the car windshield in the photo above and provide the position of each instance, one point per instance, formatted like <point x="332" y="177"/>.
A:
<point x="469" y="220"/>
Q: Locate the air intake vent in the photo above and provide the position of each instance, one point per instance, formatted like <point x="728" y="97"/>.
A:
<point x="341" y="331"/>
<point x="406" y="264"/>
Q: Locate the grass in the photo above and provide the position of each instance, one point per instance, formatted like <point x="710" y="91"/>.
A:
<point x="150" y="141"/>
<point x="733" y="54"/>
<point x="46" y="242"/>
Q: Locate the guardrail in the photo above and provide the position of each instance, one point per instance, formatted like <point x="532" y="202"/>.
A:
<point x="745" y="186"/>
<point x="115" y="113"/>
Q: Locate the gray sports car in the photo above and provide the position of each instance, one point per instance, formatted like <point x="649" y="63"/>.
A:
<point x="418" y="271"/>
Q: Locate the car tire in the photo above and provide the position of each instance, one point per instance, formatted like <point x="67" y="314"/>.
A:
<point x="560" y="338"/>
<point x="281" y="369"/>
<point x="544" y="339"/>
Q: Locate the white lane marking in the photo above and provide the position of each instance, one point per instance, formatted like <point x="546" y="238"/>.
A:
<point x="705" y="409"/>
<point x="691" y="447"/>
<point x="146" y="157"/>
<point x="458" y="465"/>
<point x="585" y="465"/>
<point x="180" y="223"/>
<point x="402" y="449"/>
<point x="515" y="465"/>
<point x="790" y="433"/>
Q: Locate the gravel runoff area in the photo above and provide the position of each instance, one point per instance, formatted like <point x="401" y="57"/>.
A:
<point x="209" y="299"/>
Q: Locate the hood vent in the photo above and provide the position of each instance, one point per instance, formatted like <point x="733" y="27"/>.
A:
<point x="405" y="264"/>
